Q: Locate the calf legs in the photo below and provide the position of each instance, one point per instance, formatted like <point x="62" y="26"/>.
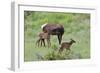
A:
<point x="40" y="42"/>
<point x="62" y="48"/>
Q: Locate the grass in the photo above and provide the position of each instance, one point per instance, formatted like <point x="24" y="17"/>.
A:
<point x="77" y="27"/>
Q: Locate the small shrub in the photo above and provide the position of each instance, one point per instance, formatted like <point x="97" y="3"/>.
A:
<point x="65" y="55"/>
<point x="54" y="47"/>
<point x="54" y="56"/>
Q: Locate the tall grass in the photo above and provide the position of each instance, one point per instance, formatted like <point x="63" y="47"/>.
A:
<point x="77" y="27"/>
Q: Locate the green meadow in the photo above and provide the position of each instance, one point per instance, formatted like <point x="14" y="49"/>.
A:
<point x="76" y="25"/>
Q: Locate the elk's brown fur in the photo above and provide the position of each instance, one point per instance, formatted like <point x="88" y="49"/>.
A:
<point x="54" y="29"/>
<point x="66" y="45"/>
<point x="42" y="37"/>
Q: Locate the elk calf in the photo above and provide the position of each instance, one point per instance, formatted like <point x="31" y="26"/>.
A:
<point x="42" y="37"/>
<point x="66" y="45"/>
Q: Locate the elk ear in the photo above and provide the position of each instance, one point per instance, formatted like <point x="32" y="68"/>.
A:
<point x="71" y="39"/>
<point x="74" y="41"/>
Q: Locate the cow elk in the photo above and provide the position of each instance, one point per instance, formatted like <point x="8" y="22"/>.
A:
<point x="54" y="29"/>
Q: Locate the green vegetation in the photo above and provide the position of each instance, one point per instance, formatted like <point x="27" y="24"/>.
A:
<point x="77" y="27"/>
